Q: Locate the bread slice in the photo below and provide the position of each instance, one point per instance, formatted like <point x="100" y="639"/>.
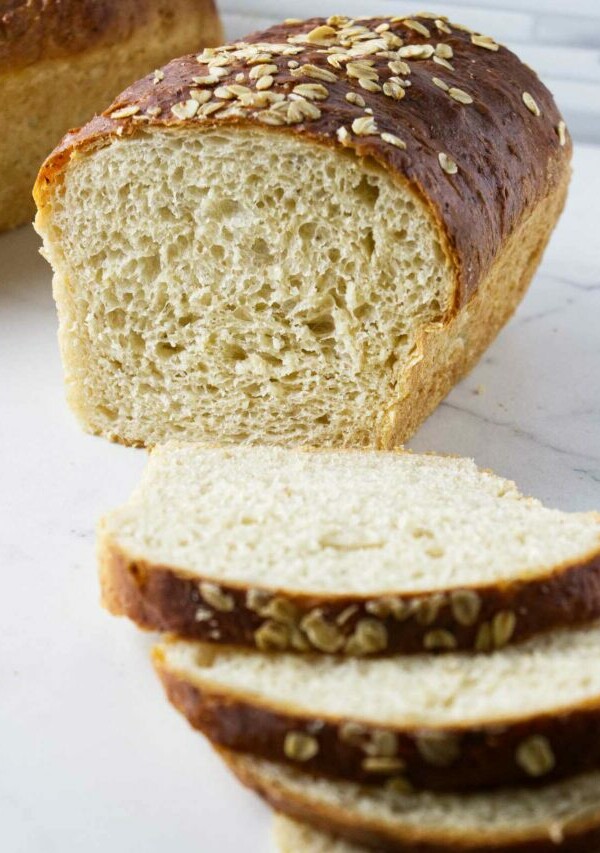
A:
<point x="292" y="836"/>
<point x="350" y="552"/>
<point x="307" y="253"/>
<point x="525" y="714"/>
<point x="561" y="817"/>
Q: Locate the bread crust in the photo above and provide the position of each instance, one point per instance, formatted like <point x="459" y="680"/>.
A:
<point x="581" y="835"/>
<point x="31" y="30"/>
<point x="163" y="598"/>
<point x="483" y="753"/>
<point x="515" y="159"/>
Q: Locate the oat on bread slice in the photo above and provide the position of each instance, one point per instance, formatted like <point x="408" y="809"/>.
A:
<point x="525" y="714"/>
<point x="346" y="552"/>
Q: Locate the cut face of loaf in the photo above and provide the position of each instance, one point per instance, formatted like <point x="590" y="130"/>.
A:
<point x="354" y="552"/>
<point x="245" y="289"/>
<point x="525" y="714"/>
<point x="561" y="817"/>
<point x="269" y="243"/>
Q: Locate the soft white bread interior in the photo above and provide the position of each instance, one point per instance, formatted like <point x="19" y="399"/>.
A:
<point x="237" y="287"/>
<point x="546" y="675"/>
<point x="495" y="821"/>
<point x="338" y="522"/>
<point x="292" y="836"/>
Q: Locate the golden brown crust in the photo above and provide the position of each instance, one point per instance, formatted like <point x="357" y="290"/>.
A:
<point x="509" y="157"/>
<point x="31" y="30"/>
<point x="580" y="836"/>
<point x="459" y="343"/>
<point x="460" y="758"/>
<point x="165" y="599"/>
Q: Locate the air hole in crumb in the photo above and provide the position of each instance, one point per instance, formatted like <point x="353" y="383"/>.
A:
<point x="218" y="252"/>
<point x="233" y="352"/>
<point x="166" y="350"/>
<point x="187" y="320"/>
<point x="261" y="247"/>
<point x="108" y="413"/>
<point x="136" y="342"/>
<point x="368" y="191"/>
<point x="322" y="326"/>
<point x="362" y="312"/>
<point x="307" y="230"/>
<point x="116" y="318"/>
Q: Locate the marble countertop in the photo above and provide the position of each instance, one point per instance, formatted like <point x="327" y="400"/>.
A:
<point x="92" y="757"/>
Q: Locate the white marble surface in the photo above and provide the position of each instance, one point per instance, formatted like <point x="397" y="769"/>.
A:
<point x="91" y="756"/>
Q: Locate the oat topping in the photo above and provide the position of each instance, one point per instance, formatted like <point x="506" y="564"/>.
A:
<point x="439" y="60"/>
<point x="376" y="56"/>
<point x="185" y="109"/>
<point x="562" y="133"/>
<point x="460" y="95"/>
<point x="212" y="594"/>
<point x="312" y="91"/>
<point x="344" y="136"/>
<point x="125" y="112"/>
<point x="437" y="81"/>
<point x="439" y="639"/>
<point x="299" y="746"/>
<point x="447" y="163"/>
<point x="417" y="27"/>
<point x="531" y="104"/>
<point x="364" y="126"/>
<point x="356" y="99"/>
<point x="535" y="756"/>
<point x="486" y="42"/>
<point x="382" y="765"/>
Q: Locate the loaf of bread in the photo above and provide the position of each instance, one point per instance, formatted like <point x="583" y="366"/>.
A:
<point x="305" y="238"/>
<point x="356" y="552"/>
<point x="560" y="818"/>
<point x="522" y="715"/>
<point x="63" y="60"/>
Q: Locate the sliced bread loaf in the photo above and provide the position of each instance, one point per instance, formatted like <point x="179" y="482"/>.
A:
<point x="561" y="817"/>
<point x="351" y="552"/>
<point x="303" y="238"/>
<point x="525" y="714"/>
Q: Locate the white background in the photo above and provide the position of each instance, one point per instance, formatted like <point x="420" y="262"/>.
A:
<point x="92" y="758"/>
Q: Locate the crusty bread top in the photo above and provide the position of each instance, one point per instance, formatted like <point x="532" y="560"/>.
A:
<point x="470" y="127"/>
<point x="47" y="29"/>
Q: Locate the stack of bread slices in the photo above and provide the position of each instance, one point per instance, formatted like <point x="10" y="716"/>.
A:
<point x="306" y="239"/>
<point x="398" y="650"/>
